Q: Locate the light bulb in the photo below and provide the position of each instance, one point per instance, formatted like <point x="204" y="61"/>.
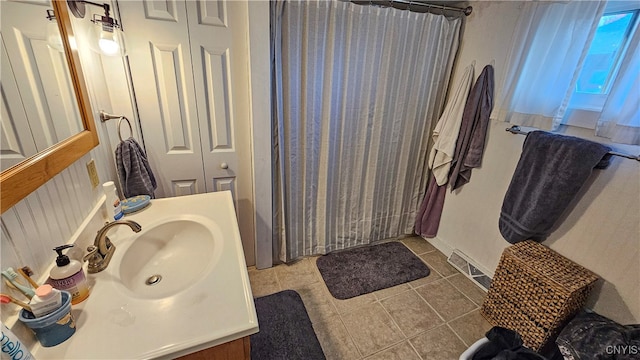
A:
<point x="108" y="43"/>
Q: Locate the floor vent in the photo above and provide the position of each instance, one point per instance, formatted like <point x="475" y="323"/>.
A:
<point x="462" y="262"/>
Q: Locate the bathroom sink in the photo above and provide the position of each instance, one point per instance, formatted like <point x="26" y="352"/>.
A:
<point x="170" y="256"/>
<point x="178" y="286"/>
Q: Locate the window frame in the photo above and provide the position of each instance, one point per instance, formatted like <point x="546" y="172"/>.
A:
<point x="584" y="108"/>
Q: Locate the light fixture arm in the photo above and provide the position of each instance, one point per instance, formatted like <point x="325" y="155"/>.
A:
<point x="110" y="41"/>
<point x="78" y="9"/>
<point x="106" y="7"/>
<point x="106" y="19"/>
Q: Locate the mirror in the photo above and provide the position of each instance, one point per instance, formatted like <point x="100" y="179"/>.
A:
<point x="23" y="178"/>
<point x="39" y="103"/>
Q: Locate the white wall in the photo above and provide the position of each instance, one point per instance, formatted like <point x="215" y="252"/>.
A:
<point x="49" y="216"/>
<point x="602" y="232"/>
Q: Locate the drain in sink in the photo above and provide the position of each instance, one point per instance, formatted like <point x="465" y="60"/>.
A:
<point x="153" y="279"/>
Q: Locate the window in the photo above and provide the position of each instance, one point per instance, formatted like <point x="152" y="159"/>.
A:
<point x="603" y="59"/>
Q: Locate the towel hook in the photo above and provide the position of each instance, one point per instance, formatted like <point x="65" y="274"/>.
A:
<point x="128" y="123"/>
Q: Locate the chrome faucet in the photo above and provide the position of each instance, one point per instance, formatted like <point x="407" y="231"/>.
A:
<point x="102" y="250"/>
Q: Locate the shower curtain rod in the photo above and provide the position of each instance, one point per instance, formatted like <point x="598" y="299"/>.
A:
<point x="515" y="129"/>
<point x="466" y="11"/>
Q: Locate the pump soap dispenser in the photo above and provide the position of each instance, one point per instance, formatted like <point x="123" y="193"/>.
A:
<point x="68" y="275"/>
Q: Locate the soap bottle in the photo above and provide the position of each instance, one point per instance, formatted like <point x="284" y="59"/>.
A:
<point x="112" y="204"/>
<point x="45" y="301"/>
<point x="68" y="275"/>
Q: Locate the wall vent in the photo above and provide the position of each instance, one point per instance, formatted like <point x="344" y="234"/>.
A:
<point x="462" y="262"/>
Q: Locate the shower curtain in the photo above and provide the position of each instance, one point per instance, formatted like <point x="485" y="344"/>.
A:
<point x="355" y="91"/>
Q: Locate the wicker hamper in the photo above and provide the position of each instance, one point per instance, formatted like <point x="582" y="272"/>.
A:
<point x="535" y="291"/>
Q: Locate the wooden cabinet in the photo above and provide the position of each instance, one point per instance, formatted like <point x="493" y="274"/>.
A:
<point x="233" y="350"/>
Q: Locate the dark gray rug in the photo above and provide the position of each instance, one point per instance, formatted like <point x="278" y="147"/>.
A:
<point x="359" y="271"/>
<point x="285" y="329"/>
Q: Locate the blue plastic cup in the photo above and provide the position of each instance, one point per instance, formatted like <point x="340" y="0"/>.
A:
<point x="54" y="328"/>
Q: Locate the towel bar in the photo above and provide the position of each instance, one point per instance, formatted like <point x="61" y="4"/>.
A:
<point x="515" y="129"/>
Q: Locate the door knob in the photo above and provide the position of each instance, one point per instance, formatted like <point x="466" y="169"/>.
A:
<point x="224" y="166"/>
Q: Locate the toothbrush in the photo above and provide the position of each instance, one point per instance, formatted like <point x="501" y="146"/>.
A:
<point x="5" y="299"/>
<point x="16" y="279"/>
<point x="11" y="275"/>
<point x="26" y="273"/>
<point x="11" y="285"/>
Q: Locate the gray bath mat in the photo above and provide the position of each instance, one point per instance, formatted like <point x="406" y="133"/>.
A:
<point x="285" y="329"/>
<point x="359" y="271"/>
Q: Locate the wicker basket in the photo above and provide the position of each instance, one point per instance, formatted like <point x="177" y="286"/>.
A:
<point x="535" y="291"/>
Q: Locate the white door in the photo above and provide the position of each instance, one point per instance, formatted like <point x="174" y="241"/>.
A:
<point x="218" y="32"/>
<point x="157" y="40"/>
<point x="189" y="64"/>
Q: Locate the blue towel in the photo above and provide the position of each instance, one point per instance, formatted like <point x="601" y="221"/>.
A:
<point x="136" y="177"/>
<point x="551" y="170"/>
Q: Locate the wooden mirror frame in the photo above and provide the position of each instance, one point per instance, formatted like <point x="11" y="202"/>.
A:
<point x="25" y="177"/>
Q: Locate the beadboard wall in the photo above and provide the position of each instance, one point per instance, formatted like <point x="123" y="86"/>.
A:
<point x="49" y="216"/>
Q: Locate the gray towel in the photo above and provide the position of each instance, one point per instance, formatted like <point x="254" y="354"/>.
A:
<point x="134" y="171"/>
<point x="473" y="130"/>
<point x="551" y="170"/>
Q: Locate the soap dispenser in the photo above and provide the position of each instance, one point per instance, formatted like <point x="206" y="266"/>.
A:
<point x="68" y="275"/>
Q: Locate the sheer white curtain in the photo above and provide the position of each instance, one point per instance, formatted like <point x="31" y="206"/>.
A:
<point x="549" y="47"/>
<point x="355" y="90"/>
<point x="620" y="117"/>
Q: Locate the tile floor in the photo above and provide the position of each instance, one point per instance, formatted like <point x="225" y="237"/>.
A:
<point x="436" y="317"/>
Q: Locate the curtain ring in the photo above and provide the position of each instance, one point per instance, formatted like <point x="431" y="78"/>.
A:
<point x="120" y="123"/>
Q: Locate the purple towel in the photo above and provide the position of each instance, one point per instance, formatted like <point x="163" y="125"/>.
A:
<point x="428" y="217"/>
<point x="468" y="153"/>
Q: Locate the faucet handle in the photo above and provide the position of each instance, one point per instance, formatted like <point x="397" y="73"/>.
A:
<point x="94" y="258"/>
<point x="92" y="253"/>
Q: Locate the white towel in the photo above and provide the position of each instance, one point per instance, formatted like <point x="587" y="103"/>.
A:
<point x="446" y="131"/>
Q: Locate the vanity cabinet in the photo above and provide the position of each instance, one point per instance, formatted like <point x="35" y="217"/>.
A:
<point x="232" y="350"/>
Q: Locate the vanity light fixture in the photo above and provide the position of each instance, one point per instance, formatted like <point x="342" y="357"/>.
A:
<point x="54" y="40"/>
<point x="108" y="32"/>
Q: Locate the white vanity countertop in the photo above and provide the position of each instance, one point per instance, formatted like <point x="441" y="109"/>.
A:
<point x="114" y="323"/>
